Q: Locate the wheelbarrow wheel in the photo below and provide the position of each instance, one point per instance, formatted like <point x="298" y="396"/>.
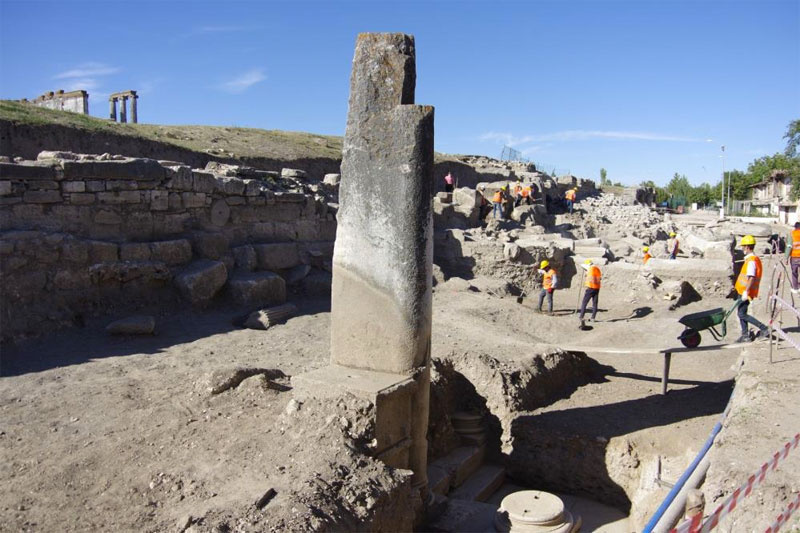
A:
<point x="690" y="338"/>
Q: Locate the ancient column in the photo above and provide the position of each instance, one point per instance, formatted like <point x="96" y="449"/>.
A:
<point x="112" y="108"/>
<point x="134" y="98"/>
<point x="381" y="293"/>
<point x="123" y="109"/>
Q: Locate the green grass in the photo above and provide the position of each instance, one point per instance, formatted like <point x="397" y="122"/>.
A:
<point x="241" y="142"/>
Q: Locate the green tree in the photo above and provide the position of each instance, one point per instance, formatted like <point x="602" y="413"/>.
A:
<point x="679" y="187"/>
<point x="603" y="177"/>
<point x="792" y="137"/>
<point x="661" y="193"/>
<point x="762" y="169"/>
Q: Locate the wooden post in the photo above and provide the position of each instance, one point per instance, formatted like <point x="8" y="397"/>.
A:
<point x="665" y="377"/>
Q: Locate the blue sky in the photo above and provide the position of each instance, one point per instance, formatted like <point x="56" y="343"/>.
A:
<point x="638" y="88"/>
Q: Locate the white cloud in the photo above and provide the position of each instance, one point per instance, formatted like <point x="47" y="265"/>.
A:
<point x="243" y="82"/>
<point x="86" y="84"/>
<point x="87" y="70"/>
<point x="583" y="135"/>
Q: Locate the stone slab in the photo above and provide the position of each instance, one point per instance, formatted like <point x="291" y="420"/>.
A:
<point x="257" y="288"/>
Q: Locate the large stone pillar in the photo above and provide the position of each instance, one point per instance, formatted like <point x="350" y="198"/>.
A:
<point x="381" y="293"/>
<point x="112" y="108"/>
<point x="123" y="109"/>
<point x="134" y="115"/>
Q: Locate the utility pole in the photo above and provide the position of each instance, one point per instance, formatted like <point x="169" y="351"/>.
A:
<point x="723" y="180"/>
<point x="730" y="209"/>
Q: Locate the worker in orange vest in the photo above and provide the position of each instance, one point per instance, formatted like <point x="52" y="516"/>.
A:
<point x="549" y="284"/>
<point x="497" y="203"/>
<point x="793" y="253"/>
<point x="592" y="288"/>
<point x="517" y="193"/>
<point x="526" y="194"/>
<point x="747" y="286"/>
<point x="647" y="255"/>
<point x="570" y="196"/>
<point x="672" y="245"/>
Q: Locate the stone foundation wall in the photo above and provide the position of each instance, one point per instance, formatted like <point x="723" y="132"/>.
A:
<point x="79" y="234"/>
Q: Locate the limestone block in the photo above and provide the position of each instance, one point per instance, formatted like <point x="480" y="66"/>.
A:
<point x="147" y="185"/>
<point x="175" y="252"/>
<point x="318" y="284"/>
<point x="293" y="173"/>
<point x="204" y="182"/>
<point x="159" y="200"/>
<point x="211" y="245"/>
<point x="135" y="272"/>
<point x="284" y="211"/>
<point x="172" y="224"/>
<point x="134" y="251"/>
<point x="31" y="171"/>
<point x="289" y="197"/>
<point x="391" y="394"/>
<point x="5" y="188"/>
<point x="43" y="185"/>
<point x="44" y="155"/>
<point x="100" y="251"/>
<point x="466" y="197"/>
<point x="75" y="251"/>
<point x="133" y="325"/>
<point x="256" y="200"/>
<point x="107" y="217"/>
<point x="118" y="198"/>
<point x="175" y="203"/>
<point x="193" y="199"/>
<point x="131" y="169"/>
<point x="257" y="288"/>
<point x="201" y="281"/>
<point x="229" y="186"/>
<point x="277" y="256"/>
<point x="236" y="200"/>
<point x="95" y="186"/>
<point x="332" y="179"/>
<point x="252" y="187"/>
<point x="307" y="230"/>
<point x="6" y="248"/>
<point x="74" y="186"/>
<point x="72" y="279"/>
<point x="42" y="197"/>
<point x="122" y="185"/>
<point x="263" y="231"/>
<point x="245" y="257"/>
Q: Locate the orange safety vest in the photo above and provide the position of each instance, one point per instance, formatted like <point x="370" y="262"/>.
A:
<point x="547" y="280"/>
<point x="647" y="257"/>
<point x="741" y="281"/>
<point x="570" y="195"/>
<point x="498" y="197"/>
<point x="593" y="277"/>
<point x="526" y="191"/>
<point x="796" y="243"/>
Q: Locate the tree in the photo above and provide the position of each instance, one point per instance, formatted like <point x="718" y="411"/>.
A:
<point x="603" y="176"/>
<point x="679" y="187"/>
<point x="793" y="138"/>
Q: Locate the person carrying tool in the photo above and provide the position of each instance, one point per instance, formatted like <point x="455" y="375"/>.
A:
<point x="570" y="197"/>
<point x="647" y="255"/>
<point x="549" y="284"/>
<point x="672" y="245"/>
<point x="747" y="286"/>
<point x="592" y="285"/>
<point x="793" y="253"/>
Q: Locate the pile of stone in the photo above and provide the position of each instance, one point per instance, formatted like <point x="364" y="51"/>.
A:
<point x="612" y="217"/>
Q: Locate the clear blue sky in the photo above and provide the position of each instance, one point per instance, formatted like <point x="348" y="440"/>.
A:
<point x="636" y="87"/>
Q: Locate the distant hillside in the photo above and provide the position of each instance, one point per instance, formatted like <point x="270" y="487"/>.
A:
<point x="25" y="130"/>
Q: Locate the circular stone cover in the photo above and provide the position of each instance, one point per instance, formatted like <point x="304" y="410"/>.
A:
<point x="533" y="507"/>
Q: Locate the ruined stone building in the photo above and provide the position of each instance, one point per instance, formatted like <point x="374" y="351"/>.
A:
<point x="74" y="101"/>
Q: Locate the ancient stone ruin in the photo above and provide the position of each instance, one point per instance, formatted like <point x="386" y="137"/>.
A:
<point x="381" y="295"/>
<point x="74" y="101"/>
<point x="122" y="98"/>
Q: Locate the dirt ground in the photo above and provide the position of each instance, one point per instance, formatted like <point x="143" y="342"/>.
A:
<point x="122" y="434"/>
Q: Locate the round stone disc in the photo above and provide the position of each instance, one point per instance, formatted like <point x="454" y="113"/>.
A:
<point x="533" y="507"/>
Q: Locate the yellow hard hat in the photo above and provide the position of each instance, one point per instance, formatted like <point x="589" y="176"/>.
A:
<point x="587" y="262"/>
<point x="504" y="187"/>
<point x="748" y="240"/>
<point x="544" y="264"/>
<point x="646" y="249"/>
<point x="671" y="233"/>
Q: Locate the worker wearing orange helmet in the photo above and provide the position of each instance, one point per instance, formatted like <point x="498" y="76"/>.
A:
<point x="747" y="286"/>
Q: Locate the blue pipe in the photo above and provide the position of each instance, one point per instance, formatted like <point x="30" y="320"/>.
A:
<point x="682" y="481"/>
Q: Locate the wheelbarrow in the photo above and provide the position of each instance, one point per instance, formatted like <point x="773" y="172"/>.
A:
<point x="697" y="322"/>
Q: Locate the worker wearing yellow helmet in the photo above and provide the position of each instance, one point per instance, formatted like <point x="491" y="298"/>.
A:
<point x="647" y="256"/>
<point x="592" y="286"/>
<point x="673" y="245"/>
<point x="549" y="284"/>
<point x="747" y="286"/>
<point x="570" y="196"/>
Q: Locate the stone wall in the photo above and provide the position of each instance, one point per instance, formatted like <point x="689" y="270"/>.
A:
<point x="81" y="233"/>
<point x="74" y="101"/>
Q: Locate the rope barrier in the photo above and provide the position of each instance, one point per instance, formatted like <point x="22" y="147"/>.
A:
<point x="693" y="525"/>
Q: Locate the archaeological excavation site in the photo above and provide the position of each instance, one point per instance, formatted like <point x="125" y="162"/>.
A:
<point x="335" y="335"/>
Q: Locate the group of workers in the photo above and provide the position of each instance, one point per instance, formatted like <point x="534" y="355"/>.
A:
<point x="673" y="246"/>
<point x="746" y="285"/>
<point x="522" y="193"/>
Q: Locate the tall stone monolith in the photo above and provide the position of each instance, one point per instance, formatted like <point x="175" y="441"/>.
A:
<point x="382" y="262"/>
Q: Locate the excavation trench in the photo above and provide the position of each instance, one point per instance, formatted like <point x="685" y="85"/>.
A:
<point x="608" y="456"/>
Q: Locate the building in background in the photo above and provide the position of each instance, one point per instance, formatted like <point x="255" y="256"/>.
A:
<point x="74" y="101"/>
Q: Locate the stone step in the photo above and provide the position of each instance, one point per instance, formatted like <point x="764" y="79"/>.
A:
<point x="439" y="479"/>
<point x="461" y="463"/>
<point x="464" y="516"/>
<point x="590" y="251"/>
<point x="481" y="485"/>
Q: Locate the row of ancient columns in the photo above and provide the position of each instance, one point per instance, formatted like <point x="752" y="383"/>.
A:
<point x="123" y="106"/>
